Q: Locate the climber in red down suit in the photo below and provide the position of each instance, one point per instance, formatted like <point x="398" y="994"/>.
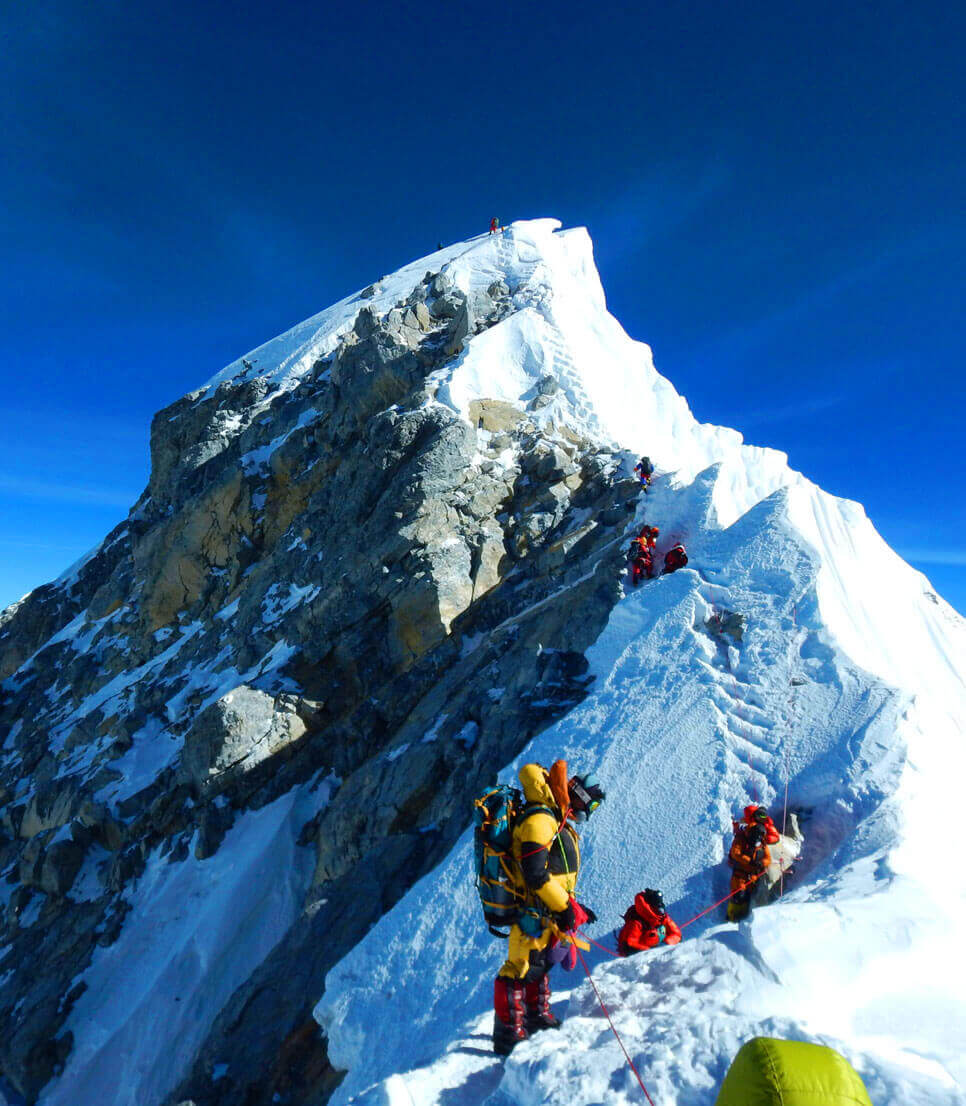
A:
<point x="641" y="561"/>
<point x="647" y="924"/>
<point x="674" y="559"/>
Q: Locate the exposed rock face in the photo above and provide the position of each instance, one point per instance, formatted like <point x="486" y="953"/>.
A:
<point x="337" y="580"/>
<point x="239" y="731"/>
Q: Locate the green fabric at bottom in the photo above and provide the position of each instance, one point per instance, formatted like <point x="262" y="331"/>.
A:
<point x="770" y="1072"/>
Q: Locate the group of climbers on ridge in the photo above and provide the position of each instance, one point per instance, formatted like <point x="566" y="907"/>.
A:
<point x="641" y="556"/>
<point x="532" y="887"/>
<point x="528" y="864"/>
<point x="528" y="860"/>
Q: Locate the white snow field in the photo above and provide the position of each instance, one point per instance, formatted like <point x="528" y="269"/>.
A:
<point x="847" y="689"/>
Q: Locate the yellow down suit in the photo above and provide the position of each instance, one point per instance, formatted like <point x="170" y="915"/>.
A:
<point x="548" y="858"/>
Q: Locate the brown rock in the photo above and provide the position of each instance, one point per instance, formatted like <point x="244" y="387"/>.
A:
<point x="494" y="414"/>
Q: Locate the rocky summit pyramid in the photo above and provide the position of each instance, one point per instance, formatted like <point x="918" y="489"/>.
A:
<point x="379" y="561"/>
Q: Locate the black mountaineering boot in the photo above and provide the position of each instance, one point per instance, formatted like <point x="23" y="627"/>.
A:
<point x="539" y="1015"/>
<point x="508" y="1014"/>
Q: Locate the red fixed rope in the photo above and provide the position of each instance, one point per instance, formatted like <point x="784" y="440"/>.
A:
<point x="627" y="1055"/>
<point x="781" y="870"/>
<point x="730" y="895"/>
<point x="747" y="883"/>
<point x="603" y="948"/>
<point x="610" y="952"/>
<point x="791" y="702"/>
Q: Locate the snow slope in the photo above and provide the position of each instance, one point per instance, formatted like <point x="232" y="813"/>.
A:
<point x="197" y="930"/>
<point x="847" y="689"/>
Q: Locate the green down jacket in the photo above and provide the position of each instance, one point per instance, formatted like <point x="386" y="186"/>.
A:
<point x="769" y="1072"/>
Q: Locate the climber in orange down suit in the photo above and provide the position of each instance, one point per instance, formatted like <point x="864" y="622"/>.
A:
<point x="749" y="857"/>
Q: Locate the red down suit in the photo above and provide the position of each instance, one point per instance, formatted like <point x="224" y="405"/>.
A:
<point x="644" y="928"/>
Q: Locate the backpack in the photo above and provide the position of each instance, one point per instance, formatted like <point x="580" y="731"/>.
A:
<point x="495" y="811"/>
<point x="497" y="874"/>
<point x="629" y="915"/>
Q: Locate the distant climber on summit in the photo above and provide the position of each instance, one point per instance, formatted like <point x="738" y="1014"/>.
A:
<point x="674" y="559"/>
<point x="494" y="225"/>
<point x="647" y="924"/>
<point x="545" y="865"/>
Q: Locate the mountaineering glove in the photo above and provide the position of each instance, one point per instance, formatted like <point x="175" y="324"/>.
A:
<point x="589" y="915"/>
<point x="565" y="919"/>
<point x="580" y="914"/>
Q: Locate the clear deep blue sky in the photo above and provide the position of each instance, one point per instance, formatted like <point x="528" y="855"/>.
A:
<point x="776" y="193"/>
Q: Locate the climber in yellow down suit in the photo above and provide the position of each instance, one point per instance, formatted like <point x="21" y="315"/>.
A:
<point x="547" y="855"/>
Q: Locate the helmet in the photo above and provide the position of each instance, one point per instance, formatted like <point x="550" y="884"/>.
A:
<point x="756" y="813"/>
<point x="655" y="900"/>
<point x="586" y="795"/>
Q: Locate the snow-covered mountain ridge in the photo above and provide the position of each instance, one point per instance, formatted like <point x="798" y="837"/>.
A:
<point x="872" y="744"/>
<point x="384" y="551"/>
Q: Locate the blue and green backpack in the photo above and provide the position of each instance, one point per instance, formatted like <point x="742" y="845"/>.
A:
<point x="497" y="871"/>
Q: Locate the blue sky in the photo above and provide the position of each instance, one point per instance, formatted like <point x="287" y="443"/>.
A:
<point x="775" y="192"/>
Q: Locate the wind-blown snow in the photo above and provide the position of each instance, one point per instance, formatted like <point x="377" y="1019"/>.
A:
<point x="848" y="685"/>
